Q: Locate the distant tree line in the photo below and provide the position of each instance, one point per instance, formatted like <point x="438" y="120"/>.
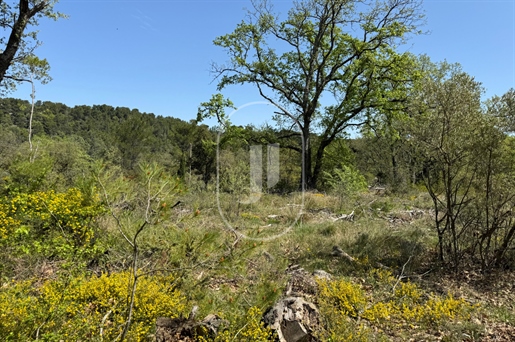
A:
<point x="447" y="140"/>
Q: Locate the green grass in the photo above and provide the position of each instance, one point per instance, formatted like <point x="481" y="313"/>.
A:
<point x="222" y="272"/>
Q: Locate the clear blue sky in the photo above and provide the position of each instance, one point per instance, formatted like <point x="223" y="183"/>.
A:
<point x="156" y="55"/>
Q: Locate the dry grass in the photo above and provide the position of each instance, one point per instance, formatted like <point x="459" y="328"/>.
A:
<point x="230" y="263"/>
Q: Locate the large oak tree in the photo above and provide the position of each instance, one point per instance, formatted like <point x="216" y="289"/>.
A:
<point x="330" y="65"/>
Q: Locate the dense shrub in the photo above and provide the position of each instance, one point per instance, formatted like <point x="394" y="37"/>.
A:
<point x="54" y="224"/>
<point x="403" y="305"/>
<point x="91" y="308"/>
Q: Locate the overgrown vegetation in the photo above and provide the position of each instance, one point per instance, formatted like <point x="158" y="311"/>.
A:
<point x="71" y="273"/>
<point x="98" y="249"/>
<point x="111" y="218"/>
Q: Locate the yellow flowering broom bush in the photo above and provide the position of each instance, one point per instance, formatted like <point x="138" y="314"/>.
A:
<point x="344" y="296"/>
<point x="7" y="222"/>
<point x="19" y="307"/>
<point x="50" y="223"/>
<point x="404" y="305"/>
<point x="91" y="308"/>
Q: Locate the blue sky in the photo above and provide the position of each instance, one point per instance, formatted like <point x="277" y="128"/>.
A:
<point x="156" y="55"/>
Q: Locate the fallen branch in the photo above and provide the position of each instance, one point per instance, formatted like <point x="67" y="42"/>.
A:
<point x="338" y="252"/>
<point x="346" y="217"/>
<point x="102" y="326"/>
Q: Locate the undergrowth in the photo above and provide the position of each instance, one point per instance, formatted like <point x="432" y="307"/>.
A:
<point x="189" y="256"/>
<point x="391" y="308"/>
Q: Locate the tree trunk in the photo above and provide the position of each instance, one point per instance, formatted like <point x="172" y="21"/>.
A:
<point x="319" y="160"/>
<point x="499" y="254"/>
<point x="16" y="35"/>
<point x="395" y="168"/>
<point x="306" y="181"/>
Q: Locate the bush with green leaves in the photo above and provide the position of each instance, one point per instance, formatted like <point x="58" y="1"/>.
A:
<point x="54" y="163"/>
<point x="346" y="181"/>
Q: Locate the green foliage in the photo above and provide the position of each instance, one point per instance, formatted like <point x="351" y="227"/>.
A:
<point x="346" y="181"/>
<point x="253" y="329"/>
<point x="217" y="271"/>
<point x="34" y="68"/>
<point x="19" y="64"/>
<point x="216" y="108"/>
<point x="145" y="197"/>
<point x="503" y="109"/>
<point x="383" y="205"/>
<point x="53" y="222"/>
<point x="115" y="135"/>
<point x="234" y="172"/>
<point x="132" y="136"/>
<point x="317" y="55"/>
<point x="464" y="162"/>
<point x="57" y="163"/>
<point x="25" y="176"/>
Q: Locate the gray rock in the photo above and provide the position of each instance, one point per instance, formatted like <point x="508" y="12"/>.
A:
<point x="293" y="319"/>
<point x="322" y="274"/>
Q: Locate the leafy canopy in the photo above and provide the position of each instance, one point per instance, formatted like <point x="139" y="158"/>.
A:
<point x="329" y="65"/>
<point x="18" y="62"/>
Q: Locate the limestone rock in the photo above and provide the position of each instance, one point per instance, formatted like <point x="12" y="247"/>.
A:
<point x="322" y="274"/>
<point x="293" y="319"/>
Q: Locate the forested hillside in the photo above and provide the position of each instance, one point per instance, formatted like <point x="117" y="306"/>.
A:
<point x="106" y="132"/>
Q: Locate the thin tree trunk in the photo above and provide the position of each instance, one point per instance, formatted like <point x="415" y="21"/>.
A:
<point x="32" y="96"/>
<point x="506" y="242"/>
<point x="307" y="174"/>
